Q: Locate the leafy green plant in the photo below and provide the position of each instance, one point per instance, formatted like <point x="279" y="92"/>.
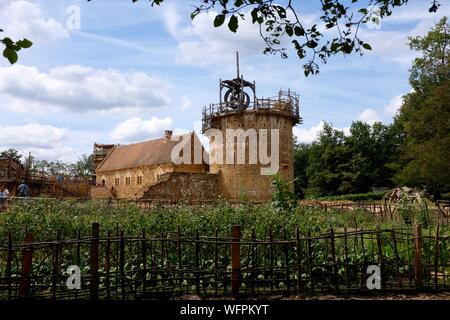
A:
<point x="369" y="196"/>
<point x="283" y="198"/>
<point x="406" y="211"/>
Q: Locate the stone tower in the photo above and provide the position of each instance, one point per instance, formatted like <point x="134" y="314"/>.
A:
<point x="234" y="123"/>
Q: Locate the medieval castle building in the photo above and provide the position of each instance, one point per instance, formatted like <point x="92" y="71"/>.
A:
<point x="247" y="136"/>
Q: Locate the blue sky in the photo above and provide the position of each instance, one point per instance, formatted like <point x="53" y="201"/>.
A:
<point x="132" y="71"/>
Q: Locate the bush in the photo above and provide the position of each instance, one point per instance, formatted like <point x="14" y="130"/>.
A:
<point x="283" y="199"/>
<point x="370" y="196"/>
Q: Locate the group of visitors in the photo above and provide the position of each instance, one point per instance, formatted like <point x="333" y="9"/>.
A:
<point x="4" y="195"/>
<point x="23" y="192"/>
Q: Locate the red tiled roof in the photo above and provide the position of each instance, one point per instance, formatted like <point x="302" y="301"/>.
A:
<point x="145" y="153"/>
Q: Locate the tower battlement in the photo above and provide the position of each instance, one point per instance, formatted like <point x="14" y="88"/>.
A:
<point x="287" y="103"/>
<point x="257" y="124"/>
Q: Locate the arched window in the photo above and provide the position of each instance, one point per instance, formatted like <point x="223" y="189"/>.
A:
<point x="128" y="179"/>
<point x="117" y="181"/>
<point x="139" y="178"/>
<point x="158" y="173"/>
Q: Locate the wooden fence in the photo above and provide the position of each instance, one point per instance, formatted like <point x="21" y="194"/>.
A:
<point x="382" y="211"/>
<point x="116" y="266"/>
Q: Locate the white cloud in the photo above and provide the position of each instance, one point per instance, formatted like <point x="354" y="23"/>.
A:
<point x="204" y="44"/>
<point x="43" y="141"/>
<point x="31" y="135"/>
<point x="308" y="135"/>
<point x="394" y="105"/>
<point x="24" y="19"/>
<point x="136" y="129"/>
<point x="79" y="88"/>
<point x="369" y="116"/>
<point x="390" y="41"/>
<point x="186" y="104"/>
<point x="312" y="134"/>
<point x="172" y="20"/>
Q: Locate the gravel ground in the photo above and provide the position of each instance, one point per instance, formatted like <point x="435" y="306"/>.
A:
<point x="418" y="296"/>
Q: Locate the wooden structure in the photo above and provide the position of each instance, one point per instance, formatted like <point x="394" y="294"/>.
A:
<point x="12" y="173"/>
<point x="169" y="264"/>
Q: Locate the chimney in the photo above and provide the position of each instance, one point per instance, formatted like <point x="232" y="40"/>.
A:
<point x="168" y="134"/>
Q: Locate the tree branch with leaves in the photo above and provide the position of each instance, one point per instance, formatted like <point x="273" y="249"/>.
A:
<point x="280" y="21"/>
<point x="13" y="47"/>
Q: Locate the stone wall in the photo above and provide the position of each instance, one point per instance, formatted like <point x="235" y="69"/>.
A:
<point x="100" y="192"/>
<point x="131" y="190"/>
<point x="184" y="186"/>
<point x="245" y="181"/>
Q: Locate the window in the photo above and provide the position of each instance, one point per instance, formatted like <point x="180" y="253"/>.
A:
<point x="117" y="181"/>
<point x="128" y="181"/>
<point x="139" y="180"/>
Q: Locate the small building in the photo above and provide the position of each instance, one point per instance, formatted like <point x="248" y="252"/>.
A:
<point x="147" y="170"/>
<point x="11" y="172"/>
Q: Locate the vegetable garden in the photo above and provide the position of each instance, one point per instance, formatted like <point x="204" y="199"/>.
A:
<point x="128" y="253"/>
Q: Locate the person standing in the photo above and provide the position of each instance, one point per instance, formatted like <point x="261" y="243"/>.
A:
<point x="5" y="197"/>
<point x="23" y="190"/>
<point x="2" y="200"/>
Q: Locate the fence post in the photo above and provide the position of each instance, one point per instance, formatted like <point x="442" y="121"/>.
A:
<point x="56" y="265"/>
<point x="9" y="264"/>
<point x="197" y="262"/>
<point x="144" y="262"/>
<point x="27" y="263"/>
<point x="299" y="261"/>
<point x="418" y="254"/>
<point x="436" y="258"/>
<point x="333" y="257"/>
<point x="235" y="259"/>
<point x="380" y="257"/>
<point x="108" y="265"/>
<point x="122" y="265"/>
<point x="94" y="261"/>
<point x="286" y="262"/>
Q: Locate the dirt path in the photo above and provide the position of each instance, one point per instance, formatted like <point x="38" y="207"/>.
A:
<point x="419" y="296"/>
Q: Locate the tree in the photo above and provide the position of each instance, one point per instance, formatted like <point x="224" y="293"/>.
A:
<point x="281" y="22"/>
<point x="29" y="163"/>
<point x="425" y="114"/>
<point x="339" y="164"/>
<point x="373" y="154"/>
<point x="301" y="157"/>
<point x="433" y="67"/>
<point x="84" y="167"/>
<point x="328" y="164"/>
<point x="52" y="168"/>
<point x="13" y="154"/>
